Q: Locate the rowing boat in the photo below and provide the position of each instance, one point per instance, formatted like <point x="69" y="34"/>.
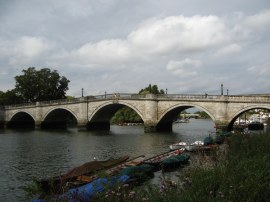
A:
<point x="58" y="183"/>
<point x="156" y="160"/>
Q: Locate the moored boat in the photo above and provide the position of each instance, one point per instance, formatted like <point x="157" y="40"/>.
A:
<point x="87" y="191"/>
<point x="197" y="145"/>
<point x="57" y="183"/>
<point x="174" y="161"/>
<point x="255" y="126"/>
<point x="156" y="160"/>
<point x="178" y="145"/>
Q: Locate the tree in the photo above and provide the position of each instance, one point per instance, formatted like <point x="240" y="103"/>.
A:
<point x="202" y="114"/>
<point x="126" y="114"/>
<point x="10" y="97"/>
<point x="151" y="89"/>
<point x="41" y="85"/>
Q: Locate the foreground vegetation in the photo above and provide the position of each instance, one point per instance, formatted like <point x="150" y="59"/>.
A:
<point x="242" y="175"/>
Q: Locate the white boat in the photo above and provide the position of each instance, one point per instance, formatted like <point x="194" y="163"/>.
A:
<point x="195" y="146"/>
<point x="178" y="145"/>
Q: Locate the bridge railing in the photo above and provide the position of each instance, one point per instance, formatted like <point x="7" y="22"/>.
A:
<point x="188" y="97"/>
<point x="249" y="98"/>
<point x="114" y="96"/>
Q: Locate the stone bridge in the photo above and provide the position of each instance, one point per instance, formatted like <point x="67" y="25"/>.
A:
<point x="156" y="111"/>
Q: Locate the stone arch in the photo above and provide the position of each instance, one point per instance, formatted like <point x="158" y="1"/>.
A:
<point x="21" y="119"/>
<point x="186" y="106"/>
<point x="55" y="108"/>
<point x="120" y="103"/>
<point x="99" y="119"/>
<point x="166" y="118"/>
<point x="58" y="118"/>
<point x="233" y="118"/>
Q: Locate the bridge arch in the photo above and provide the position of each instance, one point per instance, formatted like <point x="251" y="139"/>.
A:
<point x="166" y="119"/>
<point x="100" y="118"/>
<point x="233" y="118"/>
<point x="21" y="119"/>
<point x="58" y="118"/>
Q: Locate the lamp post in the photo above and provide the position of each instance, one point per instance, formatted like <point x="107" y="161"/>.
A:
<point x="82" y="92"/>
<point x="166" y="91"/>
<point x="105" y="94"/>
<point x="221" y="89"/>
<point x="227" y="92"/>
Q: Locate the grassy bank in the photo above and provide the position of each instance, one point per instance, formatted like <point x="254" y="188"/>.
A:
<point x="243" y="174"/>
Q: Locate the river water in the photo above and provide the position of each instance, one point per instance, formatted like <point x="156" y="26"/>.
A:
<point x="25" y="155"/>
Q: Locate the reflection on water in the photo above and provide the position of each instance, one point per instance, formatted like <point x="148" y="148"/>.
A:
<point x="26" y="155"/>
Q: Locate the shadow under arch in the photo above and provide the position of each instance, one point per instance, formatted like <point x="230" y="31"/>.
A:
<point x="167" y="118"/>
<point x="21" y="120"/>
<point x="100" y="118"/>
<point x="58" y="118"/>
<point x="239" y="113"/>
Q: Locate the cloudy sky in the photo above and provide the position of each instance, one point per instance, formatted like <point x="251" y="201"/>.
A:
<point x="186" y="46"/>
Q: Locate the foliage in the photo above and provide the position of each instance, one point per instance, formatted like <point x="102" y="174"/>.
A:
<point x="126" y="115"/>
<point x="151" y="89"/>
<point x="41" y="85"/>
<point x="202" y="114"/>
<point x="10" y="97"/>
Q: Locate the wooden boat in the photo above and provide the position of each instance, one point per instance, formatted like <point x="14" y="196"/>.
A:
<point x="56" y="184"/>
<point x="174" y="161"/>
<point x="115" y="170"/>
<point x="178" y="145"/>
<point x="139" y="172"/>
<point x="156" y="160"/>
<point x="87" y="191"/>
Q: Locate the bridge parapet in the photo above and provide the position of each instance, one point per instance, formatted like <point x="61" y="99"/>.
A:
<point x="127" y="96"/>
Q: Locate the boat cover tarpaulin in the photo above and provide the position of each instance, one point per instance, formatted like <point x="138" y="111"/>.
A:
<point x="86" y="192"/>
<point x="138" y="171"/>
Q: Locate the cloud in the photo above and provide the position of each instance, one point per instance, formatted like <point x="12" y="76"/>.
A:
<point x="155" y="37"/>
<point x="25" y="49"/>
<point x="104" y="52"/>
<point x="178" y="33"/>
<point x="260" y="70"/>
<point x="184" y="68"/>
<point x="228" y="50"/>
<point x="260" y="21"/>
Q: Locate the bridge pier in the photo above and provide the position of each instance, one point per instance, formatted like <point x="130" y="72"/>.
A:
<point x="98" y="125"/>
<point x="150" y="128"/>
<point x="160" y="127"/>
<point x="221" y="126"/>
<point x="37" y="125"/>
<point x="2" y="124"/>
<point x="164" y="127"/>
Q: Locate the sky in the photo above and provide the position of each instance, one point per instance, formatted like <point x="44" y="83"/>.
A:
<point x="122" y="46"/>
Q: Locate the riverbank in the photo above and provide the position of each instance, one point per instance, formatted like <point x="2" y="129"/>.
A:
<point x="238" y="171"/>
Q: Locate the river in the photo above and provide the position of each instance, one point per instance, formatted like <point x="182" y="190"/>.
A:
<point x="25" y="155"/>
